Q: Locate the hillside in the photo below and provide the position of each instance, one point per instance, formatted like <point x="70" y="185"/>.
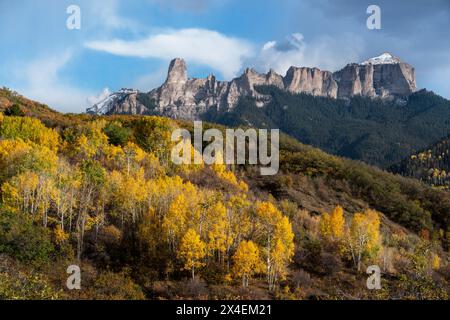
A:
<point x="12" y="103"/>
<point x="430" y="165"/>
<point x="101" y="193"/>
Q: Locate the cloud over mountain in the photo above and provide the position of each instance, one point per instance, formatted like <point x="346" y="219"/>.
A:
<point x="198" y="46"/>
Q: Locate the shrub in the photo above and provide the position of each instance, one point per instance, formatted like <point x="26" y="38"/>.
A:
<point x="117" y="134"/>
<point x="115" y="286"/>
<point x="23" y="240"/>
<point x="15" y="111"/>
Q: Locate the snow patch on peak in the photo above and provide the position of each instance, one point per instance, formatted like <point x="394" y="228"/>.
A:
<point x="103" y="103"/>
<point x="385" y="58"/>
<point x="102" y="96"/>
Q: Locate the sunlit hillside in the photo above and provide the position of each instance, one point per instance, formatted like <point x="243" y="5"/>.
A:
<point x="101" y="193"/>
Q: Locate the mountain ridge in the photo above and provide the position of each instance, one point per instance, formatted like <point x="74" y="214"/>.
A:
<point x="381" y="133"/>
<point x="385" y="77"/>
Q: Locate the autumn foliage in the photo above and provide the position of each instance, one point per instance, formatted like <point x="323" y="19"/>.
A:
<point x="102" y="193"/>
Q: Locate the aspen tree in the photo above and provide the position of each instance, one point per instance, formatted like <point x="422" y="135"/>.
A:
<point x="247" y="261"/>
<point x="192" y="250"/>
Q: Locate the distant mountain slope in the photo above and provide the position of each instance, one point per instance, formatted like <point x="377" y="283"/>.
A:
<point x="431" y="165"/>
<point x="378" y="132"/>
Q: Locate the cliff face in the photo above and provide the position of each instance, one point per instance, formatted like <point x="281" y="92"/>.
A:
<point x="180" y="97"/>
<point x="376" y="80"/>
<point x="311" y="81"/>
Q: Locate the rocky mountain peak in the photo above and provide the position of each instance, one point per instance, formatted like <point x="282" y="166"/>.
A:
<point x="384" y="58"/>
<point x="177" y="71"/>
<point x="385" y="76"/>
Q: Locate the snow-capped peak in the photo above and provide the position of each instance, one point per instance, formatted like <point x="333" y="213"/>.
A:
<point x="105" y="101"/>
<point x="385" y="58"/>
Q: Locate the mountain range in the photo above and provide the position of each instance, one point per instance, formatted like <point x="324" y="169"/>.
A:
<point x="383" y="77"/>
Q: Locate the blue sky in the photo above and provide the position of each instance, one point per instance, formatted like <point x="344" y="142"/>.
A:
<point x="130" y="43"/>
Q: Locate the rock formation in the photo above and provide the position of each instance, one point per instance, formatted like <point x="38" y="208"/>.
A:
<point x="383" y="77"/>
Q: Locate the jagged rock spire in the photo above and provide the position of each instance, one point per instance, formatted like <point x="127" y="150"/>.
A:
<point x="177" y="71"/>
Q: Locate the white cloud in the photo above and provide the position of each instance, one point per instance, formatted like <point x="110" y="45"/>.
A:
<point x="197" y="46"/>
<point x="98" y="98"/>
<point x="41" y="81"/>
<point x="325" y="52"/>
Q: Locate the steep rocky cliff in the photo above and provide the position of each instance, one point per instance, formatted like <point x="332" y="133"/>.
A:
<point x="384" y="77"/>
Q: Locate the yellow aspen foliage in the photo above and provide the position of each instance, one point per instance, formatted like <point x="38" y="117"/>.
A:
<point x="218" y="239"/>
<point x="278" y="241"/>
<point x="30" y="193"/>
<point x="331" y="226"/>
<point x="68" y="182"/>
<point x="60" y="235"/>
<point x="192" y="250"/>
<point x="190" y="165"/>
<point x="128" y="194"/>
<point x="435" y="262"/>
<point x="364" y="236"/>
<point x="11" y="154"/>
<point x="133" y="156"/>
<point x="114" y="157"/>
<point x="17" y="156"/>
<point x="238" y="221"/>
<point x="284" y="233"/>
<point x="337" y="221"/>
<point x="161" y="192"/>
<point x="268" y="214"/>
<point x="42" y="159"/>
<point x="19" y="194"/>
<point x="325" y="225"/>
<point x="228" y="176"/>
<point x="92" y="143"/>
<point x="281" y="257"/>
<point x="247" y="261"/>
<point x="175" y="220"/>
<point x="282" y="252"/>
<point x="84" y="148"/>
<point x="177" y="205"/>
<point x="29" y="129"/>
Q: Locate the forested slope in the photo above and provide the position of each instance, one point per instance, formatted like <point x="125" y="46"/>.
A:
<point x="376" y="131"/>
<point x="431" y="165"/>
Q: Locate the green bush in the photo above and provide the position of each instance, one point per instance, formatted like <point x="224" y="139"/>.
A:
<point x="21" y="239"/>
<point x="14" y="110"/>
<point x="117" y="134"/>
